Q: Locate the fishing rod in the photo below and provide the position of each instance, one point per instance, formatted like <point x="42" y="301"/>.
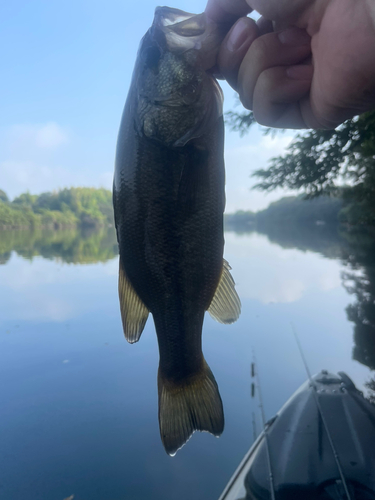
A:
<point x="255" y="373"/>
<point x="254" y="426"/>
<point x="330" y="440"/>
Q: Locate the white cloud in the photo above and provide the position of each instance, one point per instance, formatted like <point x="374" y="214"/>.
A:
<point x="41" y="157"/>
<point x="25" y="139"/>
<point x="30" y="158"/>
<point x="21" y="176"/>
<point x="242" y="161"/>
<point x="276" y="145"/>
<point x="50" y="136"/>
<point x="46" y="157"/>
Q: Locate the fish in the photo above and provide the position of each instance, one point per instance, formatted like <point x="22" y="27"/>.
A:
<point x="169" y="199"/>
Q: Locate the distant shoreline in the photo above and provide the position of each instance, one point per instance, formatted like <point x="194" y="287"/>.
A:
<point x="55" y="227"/>
<point x="67" y="208"/>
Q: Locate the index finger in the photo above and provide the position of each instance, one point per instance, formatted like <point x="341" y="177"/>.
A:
<point x="227" y="11"/>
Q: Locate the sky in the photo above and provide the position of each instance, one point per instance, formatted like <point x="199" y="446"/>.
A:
<point x="66" y="69"/>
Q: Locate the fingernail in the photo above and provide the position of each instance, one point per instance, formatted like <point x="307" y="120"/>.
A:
<point x="300" y="72"/>
<point x="238" y="35"/>
<point x="294" y="36"/>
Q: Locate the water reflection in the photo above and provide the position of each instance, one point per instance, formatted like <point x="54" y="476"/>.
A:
<point x="356" y="250"/>
<point x="73" y="246"/>
<point x="359" y="280"/>
<point x="371" y="390"/>
<point x="324" y="239"/>
<point x="272" y="274"/>
<point x="71" y="376"/>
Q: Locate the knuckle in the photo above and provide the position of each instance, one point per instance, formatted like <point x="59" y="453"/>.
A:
<point x="269" y="79"/>
<point x="259" y="48"/>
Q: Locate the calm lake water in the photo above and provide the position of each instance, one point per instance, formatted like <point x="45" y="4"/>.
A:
<point x="78" y="404"/>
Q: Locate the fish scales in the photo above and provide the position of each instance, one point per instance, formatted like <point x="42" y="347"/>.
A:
<point x="169" y="201"/>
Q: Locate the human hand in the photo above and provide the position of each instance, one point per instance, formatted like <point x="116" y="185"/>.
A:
<point x="313" y="66"/>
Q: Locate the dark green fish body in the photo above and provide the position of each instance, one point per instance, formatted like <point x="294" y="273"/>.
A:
<point x="169" y="202"/>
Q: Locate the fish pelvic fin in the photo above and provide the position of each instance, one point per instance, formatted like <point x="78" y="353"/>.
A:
<point x="226" y="305"/>
<point x="134" y="313"/>
<point x="194" y="404"/>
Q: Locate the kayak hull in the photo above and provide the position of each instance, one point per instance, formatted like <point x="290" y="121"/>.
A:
<point x="327" y="425"/>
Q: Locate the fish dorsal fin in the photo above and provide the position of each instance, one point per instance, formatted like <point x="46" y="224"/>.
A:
<point x="134" y="313"/>
<point x="226" y="305"/>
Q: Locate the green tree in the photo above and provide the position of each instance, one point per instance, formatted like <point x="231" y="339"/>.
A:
<point x="321" y="161"/>
<point x="25" y="200"/>
<point x="17" y="216"/>
<point x="67" y="207"/>
<point x="371" y="390"/>
<point x="3" y="196"/>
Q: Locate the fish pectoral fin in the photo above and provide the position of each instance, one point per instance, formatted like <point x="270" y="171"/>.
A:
<point x="134" y="313"/>
<point x="226" y="305"/>
<point x="191" y="405"/>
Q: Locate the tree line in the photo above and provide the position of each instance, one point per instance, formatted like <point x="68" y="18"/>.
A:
<point x="288" y="212"/>
<point x="339" y="162"/>
<point x="70" y="207"/>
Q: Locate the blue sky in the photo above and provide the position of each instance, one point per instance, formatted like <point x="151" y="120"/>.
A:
<point x="66" y="69"/>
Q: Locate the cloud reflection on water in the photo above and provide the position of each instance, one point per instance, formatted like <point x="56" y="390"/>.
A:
<point x="271" y="274"/>
<point x="43" y="290"/>
<point x="262" y="270"/>
<point x="99" y="409"/>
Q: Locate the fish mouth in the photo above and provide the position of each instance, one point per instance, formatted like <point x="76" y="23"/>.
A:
<point x="184" y="31"/>
<point x="182" y="23"/>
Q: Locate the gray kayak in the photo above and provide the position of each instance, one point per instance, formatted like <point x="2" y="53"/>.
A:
<point x="319" y="446"/>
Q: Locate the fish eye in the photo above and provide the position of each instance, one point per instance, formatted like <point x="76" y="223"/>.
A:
<point x="152" y="56"/>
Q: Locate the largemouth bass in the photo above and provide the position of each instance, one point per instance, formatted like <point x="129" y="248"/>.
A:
<point x="169" y="202"/>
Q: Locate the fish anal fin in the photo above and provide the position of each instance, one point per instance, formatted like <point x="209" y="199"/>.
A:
<point x="225" y="307"/>
<point x="134" y="313"/>
<point x="193" y="404"/>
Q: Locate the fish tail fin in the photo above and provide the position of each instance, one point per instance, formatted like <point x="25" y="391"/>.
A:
<point x="194" y="404"/>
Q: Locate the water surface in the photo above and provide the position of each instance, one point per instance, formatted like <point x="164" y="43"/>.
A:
<point x="78" y="404"/>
